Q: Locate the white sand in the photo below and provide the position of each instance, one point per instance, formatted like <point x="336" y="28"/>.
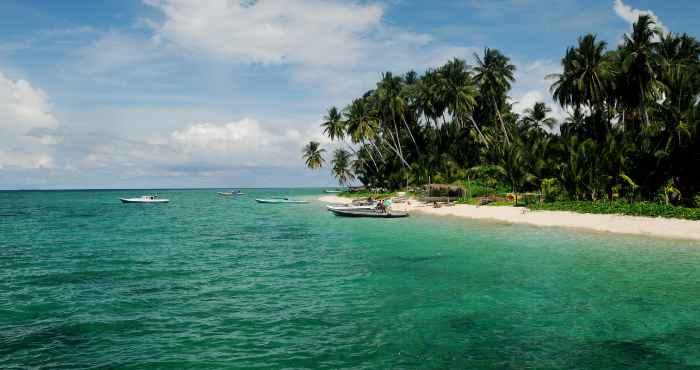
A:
<point x="655" y="227"/>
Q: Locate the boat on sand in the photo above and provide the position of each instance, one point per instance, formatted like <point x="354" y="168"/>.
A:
<point x="145" y="199"/>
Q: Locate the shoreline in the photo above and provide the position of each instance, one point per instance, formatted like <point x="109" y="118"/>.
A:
<point x="667" y="228"/>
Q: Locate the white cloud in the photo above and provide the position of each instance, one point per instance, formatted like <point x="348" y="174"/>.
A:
<point x="205" y="148"/>
<point x="23" y="105"/>
<point x="27" y="160"/>
<point x="630" y="15"/>
<point x="25" y="116"/>
<point x="277" y="31"/>
<point x="240" y="143"/>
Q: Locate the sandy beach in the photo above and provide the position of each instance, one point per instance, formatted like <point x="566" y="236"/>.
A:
<point x="634" y="225"/>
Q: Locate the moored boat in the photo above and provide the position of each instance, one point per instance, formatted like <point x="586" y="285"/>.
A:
<point x="375" y="213"/>
<point x="333" y="191"/>
<point x="230" y="193"/>
<point x="145" y="199"/>
<point x="280" y="201"/>
<point x="350" y="206"/>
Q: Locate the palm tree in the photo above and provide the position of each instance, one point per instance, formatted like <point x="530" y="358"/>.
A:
<point x="639" y="65"/>
<point x="537" y="117"/>
<point x="342" y="166"/>
<point x="313" y="155"/>
<point x="585" y="80"/>
<point x="333" y="125"/>
<point x="392" y="105"/>
<point x="494" y="74"/>
<point x="456" y="87"/>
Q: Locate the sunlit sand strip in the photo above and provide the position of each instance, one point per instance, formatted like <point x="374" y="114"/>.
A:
<point x="654" y="227"/>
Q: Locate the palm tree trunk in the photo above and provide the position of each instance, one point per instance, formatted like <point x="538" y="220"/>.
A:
<point x="483" y="138"/>
<point x="370" y="156"/>
<point x="503" y="125"/>
<point x="642" y="106"/>
<point x="410" y="133"/>
<point x="381" y="156"/>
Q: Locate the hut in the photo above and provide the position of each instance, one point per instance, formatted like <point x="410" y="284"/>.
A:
<point x="444" y="192"/>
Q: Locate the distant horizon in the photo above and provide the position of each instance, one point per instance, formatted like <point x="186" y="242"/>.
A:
<point x="184" y="188"/>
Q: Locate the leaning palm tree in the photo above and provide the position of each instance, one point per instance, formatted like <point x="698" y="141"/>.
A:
<point x="494" y="74"/>
<point x="313" y="155"/>
<point x="456" y="88"/>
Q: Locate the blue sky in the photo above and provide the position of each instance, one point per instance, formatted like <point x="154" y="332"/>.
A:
<point x="175" y="93"/>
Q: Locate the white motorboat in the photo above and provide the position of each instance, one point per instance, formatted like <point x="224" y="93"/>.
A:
<point x="280" y="201"/>
<point x="332" y="207"/>
<point x="230" y="193"/>
<point x="145" y="199"/>
<point x="374" y="213"/>
<point x="333" y="191"/>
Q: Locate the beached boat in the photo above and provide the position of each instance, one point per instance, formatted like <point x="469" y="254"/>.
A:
<point x="280" y="201"/>
<point x="350" y="206"/>
<point x="376" y="213"/>
<point x="145" y="199"/>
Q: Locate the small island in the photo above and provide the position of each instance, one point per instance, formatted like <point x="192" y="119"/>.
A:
<point x="624" y="159"/>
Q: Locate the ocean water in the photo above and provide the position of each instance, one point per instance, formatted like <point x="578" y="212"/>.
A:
<point x="207" y="282"/>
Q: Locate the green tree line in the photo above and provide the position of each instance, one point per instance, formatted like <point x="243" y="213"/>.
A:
<point x="631" y="130"/>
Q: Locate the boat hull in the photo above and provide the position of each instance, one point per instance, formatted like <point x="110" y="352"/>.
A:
<point x="151" y="201"/>
<point x="370" y="213"/>
<point x="281" y="201"/>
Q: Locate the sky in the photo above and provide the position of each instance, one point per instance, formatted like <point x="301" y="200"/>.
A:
<point x="224" y="93"/>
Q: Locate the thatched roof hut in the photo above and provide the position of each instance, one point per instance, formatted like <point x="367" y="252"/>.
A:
<point x="445" y="190"/>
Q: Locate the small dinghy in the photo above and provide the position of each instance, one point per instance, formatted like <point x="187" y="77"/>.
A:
<point x="376" y="213"/>
<point x="281" y="201"/>
<point x="145" y="199"/>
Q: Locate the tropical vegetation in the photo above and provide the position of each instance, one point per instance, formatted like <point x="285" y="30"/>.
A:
<point x="630" y="133"/>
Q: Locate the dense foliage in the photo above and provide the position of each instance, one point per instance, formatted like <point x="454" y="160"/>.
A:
<point x="622" y="208"/>
<point x="631" y="133"/>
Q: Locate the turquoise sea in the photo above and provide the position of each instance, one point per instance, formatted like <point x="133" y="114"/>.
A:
<point x="207" y="282"/>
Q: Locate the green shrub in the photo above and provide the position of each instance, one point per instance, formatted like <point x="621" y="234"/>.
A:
<point x="623" y="208"/>
<point x="551" y="190"/>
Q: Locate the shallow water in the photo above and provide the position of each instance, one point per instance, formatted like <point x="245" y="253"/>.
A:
<point x="210" y="282"/>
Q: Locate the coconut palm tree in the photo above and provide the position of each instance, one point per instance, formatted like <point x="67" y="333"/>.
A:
<point x="537" y="117"/>
<point x="639" y="64"/>
<point x="585" y="80"/>
<point x="456" y="88"/>
<point x="341" y="166"/>
<point x="494" y="74"/>
<point x="333" y="124"/>
<point x="313" y="155"/>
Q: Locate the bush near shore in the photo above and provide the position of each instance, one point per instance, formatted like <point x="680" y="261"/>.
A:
<point x="646" y="209"/>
